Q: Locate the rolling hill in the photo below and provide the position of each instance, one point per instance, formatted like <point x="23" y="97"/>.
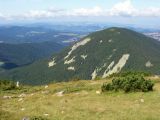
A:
<point x="15" y="55"/>
<point x="101" y="53"/>
<point x="37" y="34"/>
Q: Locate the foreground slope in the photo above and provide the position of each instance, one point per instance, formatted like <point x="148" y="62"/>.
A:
<point x="80" y="101"/>
<point x="99" y="54"/>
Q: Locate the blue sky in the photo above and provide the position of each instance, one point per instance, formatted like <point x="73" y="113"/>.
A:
<point x="125" y="11"/>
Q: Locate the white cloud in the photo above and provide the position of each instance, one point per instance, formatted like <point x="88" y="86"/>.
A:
<point x="123" y="9"/>
<point x="50" y="13"/>
<point x="3" y="16"/>
<point x="149" y="12"/>
<point x="95" y="11"/>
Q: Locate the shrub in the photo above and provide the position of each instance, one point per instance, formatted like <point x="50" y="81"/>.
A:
<point x="107" y="87"/>
<point x="7" y="85"/>
<point x="129" y="84"/>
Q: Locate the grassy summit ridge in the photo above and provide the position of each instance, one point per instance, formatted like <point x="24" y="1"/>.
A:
<point x="80" y="100"/>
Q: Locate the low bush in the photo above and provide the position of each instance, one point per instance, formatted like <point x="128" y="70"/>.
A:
<point x="7" y="85"/>
<point x="129" y="84"/>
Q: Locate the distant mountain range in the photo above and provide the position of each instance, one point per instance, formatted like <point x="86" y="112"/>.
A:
<point x="155" y="35"/>
<point x="24" y="34"/>
<point x="99" y="54"/>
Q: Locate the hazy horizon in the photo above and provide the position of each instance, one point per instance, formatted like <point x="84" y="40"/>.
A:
<point x="134" y="12"/>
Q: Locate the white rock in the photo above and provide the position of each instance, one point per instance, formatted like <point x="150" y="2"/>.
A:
<point x="22" y="95"/>
<point x="94" y="74"/>
<point x="98" y="92"/>
<point x="22" y="109"/>
<point x="117" y="68"/>
<point x="142" y="100"/>
<point x="46" y="114"/>
<point x="62" y="111"/>
<point x="83" y="56"/>
<point x="20" y="99"/>
<point x="70" y="61"/>
<point x="46" y="86"/>
<point x="75" y="46"/>
<point x="31" y="94"/>
<point x="149" y="64"/>
<point x="7" y="97"/>
<point x="108" y="68"/>
<point x="52" y="63"/>
<point x="101" y="41"/>
<point x="45" y="92"/>
<point x="17" y="84"/>
<point x="71" y="68"/>
<point x="60" y="93"/>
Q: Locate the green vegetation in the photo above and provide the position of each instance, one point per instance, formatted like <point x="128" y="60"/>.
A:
<point x="14" y="55"/>
<point x="129" y="84"/>
<point x="130" y="73"/>
<point x="7" y="85"/>
<point x="82" y="101"/>
<point x="116" y="42"/>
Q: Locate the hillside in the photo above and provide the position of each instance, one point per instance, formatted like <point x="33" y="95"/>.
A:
<point x="101" y="53"/>
<point x="79" y="100"/>
<point x="15" y="55"/>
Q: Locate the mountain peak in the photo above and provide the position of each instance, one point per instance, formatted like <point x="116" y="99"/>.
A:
<point x="101" y="53"/>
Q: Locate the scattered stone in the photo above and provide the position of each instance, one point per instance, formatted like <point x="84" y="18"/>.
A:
<point x="45" y="92"/>
<point x="98" y="92"/>
<point x="46" y="114"/>
<point x="156" y="77"/>
<point x="22" y="95"/>
<point x="46" y="87"/>
<point x="20" y="99"/>
<point x="77" y="93"/>
<point x="60" y="93"/>
<point x="25" y="118"/>
<point x="62" y="111"/>
<point x="31" y="94"/>
<point x="142" y="100"/>
<point x="22" y="109"/>
<point x="7" y="97"/>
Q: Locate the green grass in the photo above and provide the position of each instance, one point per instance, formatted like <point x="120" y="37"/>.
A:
<point x="80" y="102"/>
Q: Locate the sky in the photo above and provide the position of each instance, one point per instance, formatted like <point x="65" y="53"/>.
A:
<point x="140" y="12"/>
